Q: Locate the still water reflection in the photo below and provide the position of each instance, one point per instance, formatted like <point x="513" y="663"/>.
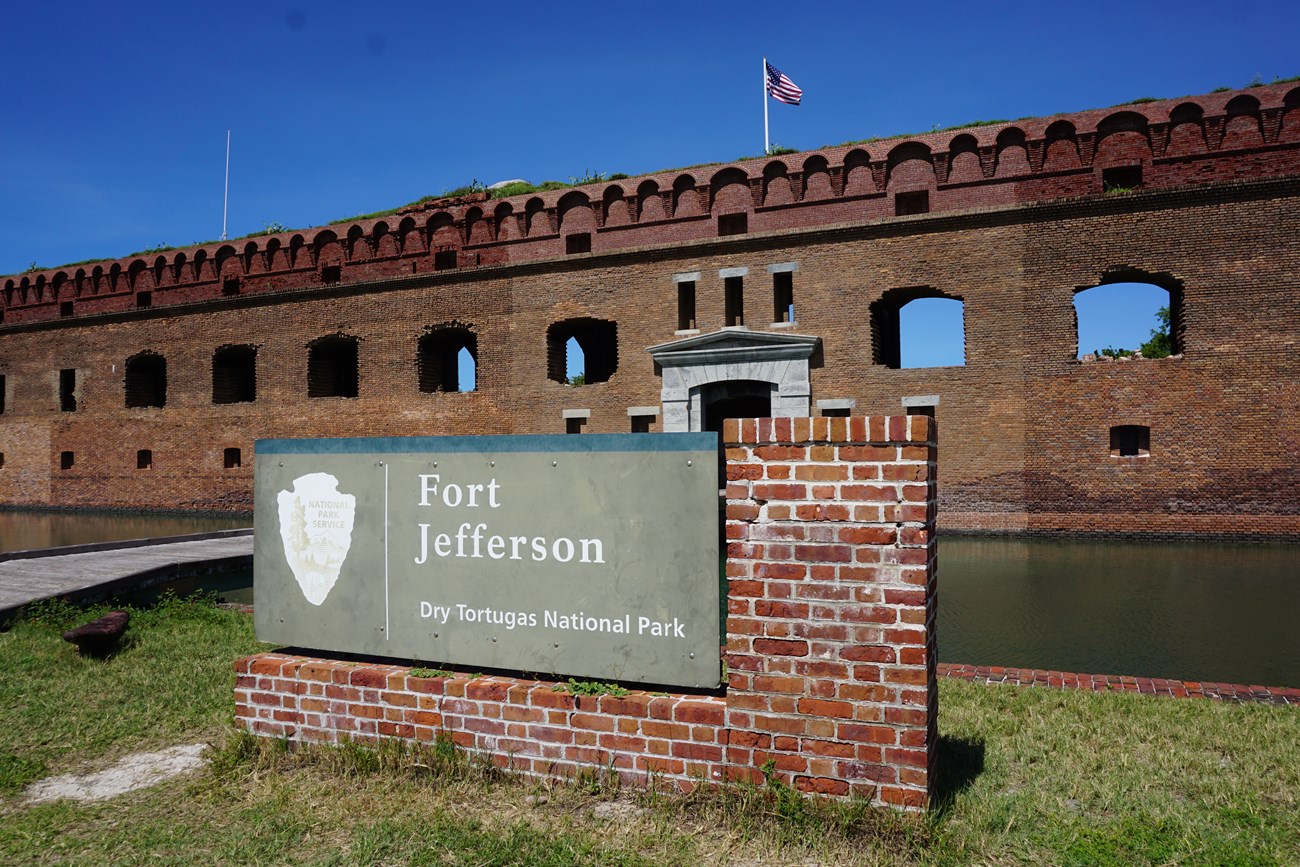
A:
<point x="1190" y="611"/>
<point x="20" y="531"/>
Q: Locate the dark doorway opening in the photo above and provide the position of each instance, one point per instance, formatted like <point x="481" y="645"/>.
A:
<point x="732" y="399"/>
<point x="754" y="405"/>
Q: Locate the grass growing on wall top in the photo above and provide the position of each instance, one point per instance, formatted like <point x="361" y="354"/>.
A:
<point x="1029" y="776"/>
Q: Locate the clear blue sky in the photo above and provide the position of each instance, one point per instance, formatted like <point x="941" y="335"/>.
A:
<point x="115" y="115"/>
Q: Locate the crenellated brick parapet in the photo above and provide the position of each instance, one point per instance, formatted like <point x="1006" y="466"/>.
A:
<point x="1215" y="138"/>
<point x="830" y="649"/>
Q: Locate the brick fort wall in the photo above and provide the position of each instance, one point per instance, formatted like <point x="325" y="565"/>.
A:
<point x="1196" y="196"/>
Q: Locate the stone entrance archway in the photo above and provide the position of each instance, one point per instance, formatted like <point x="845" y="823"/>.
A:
<point x="733" y="365"/>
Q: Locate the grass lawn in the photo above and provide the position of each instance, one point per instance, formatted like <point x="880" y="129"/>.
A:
<point x="1030" y="776"/>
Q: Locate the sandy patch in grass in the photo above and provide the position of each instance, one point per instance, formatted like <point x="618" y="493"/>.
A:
<point x="136" y="771"/>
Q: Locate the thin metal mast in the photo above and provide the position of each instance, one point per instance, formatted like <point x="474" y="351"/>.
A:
<point x="225" y="198"/>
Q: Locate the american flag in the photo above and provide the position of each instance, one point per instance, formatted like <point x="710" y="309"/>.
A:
<point x="781" y="87"/>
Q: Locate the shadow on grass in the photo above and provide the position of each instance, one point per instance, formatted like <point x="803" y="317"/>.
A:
<point x="959" y="762"/>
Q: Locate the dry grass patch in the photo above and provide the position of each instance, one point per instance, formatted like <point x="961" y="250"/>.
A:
<point x="1029" y="776"/>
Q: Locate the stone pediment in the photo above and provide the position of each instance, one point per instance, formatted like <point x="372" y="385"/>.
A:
<point x="733" y="345"/>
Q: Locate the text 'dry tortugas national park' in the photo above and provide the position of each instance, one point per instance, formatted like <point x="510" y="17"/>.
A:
<point x="770" y="286"/>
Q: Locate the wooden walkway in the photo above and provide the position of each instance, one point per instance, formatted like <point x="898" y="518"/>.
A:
<point x="90" y="572"/>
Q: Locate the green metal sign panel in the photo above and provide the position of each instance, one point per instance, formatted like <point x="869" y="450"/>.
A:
<point x="594" y="555"/>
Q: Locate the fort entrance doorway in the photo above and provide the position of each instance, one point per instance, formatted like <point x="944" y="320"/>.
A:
<point x="735" y="399"/>
<point x="720" y="401"/>
<point x="733" y="373"/>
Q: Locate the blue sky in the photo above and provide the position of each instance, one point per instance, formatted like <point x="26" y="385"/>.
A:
<point x="115" y="115"/>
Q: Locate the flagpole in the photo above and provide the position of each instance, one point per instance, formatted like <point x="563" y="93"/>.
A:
<point x="767" y="139"/>
<point x="225" y="196"/>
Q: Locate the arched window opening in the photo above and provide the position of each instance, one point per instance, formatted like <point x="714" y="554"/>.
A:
<point x="234" y="374"/>
<point x="1130" y="441"/>
<point x="918" y="327"/>
<point x="448" y="360"/>
<point x="146" y="380"/>
<point x="1127" y="318"/>
<point x="582" y="351"/>
<point x="332" y="367"/>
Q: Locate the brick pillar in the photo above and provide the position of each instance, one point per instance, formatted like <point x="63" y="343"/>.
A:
<point x="830" y="634"/>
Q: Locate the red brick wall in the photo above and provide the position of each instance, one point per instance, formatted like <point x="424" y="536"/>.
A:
<point x="830" y="643"/>
<point x="1027" y="424"/>
<point x="830" y="634"/>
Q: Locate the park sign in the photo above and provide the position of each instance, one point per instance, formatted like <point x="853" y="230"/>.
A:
<point x="592" y="556"/>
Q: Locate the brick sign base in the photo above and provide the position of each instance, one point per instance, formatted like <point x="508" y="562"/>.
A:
<point x="830" y="644"/>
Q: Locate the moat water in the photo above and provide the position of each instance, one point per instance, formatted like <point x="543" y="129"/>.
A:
<point x="22" y="531"/>
<point x="1191" y="611"/>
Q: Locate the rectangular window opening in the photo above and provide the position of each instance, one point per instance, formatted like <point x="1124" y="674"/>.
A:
<point x="783" y="297"/>
<point x="641" y="423"/>
<point x="2" y="394"/>
<point x="2" y="460"/>
<point x="1121" y="179"/>
<point x="733" y="224"/>
<point x="143" y="299"/>
<point x="232" y="459"/>
<point x="574" y="425"/>
<point x="65" y="309"/>
<point x="331" y="273"/>
<point x="68" y="390"/>
<point x="836" y="412"/>
<point x="444" y="260"/>
<point x="906" y="204"/>
<point x="579" y="242"/>
<point x="144" y="459"/>
<point x="921" y="410"/>
<point x="230" y="287"/>
<point x="686" y="305"/>
<point x="66" y="460"/>
<point x="1130" y="441"/>
<point x="734" y="296"/>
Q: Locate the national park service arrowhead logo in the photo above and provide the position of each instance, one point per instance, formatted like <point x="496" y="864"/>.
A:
<point x="316" y="528"/>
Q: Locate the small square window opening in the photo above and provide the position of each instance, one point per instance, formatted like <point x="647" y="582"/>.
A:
<point x="906" y="204"/>
<point x="1121" y="179"/>
<point x="1130" y="441"/>
<point x="733" y="224"/>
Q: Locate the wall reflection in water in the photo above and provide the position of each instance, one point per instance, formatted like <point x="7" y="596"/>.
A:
<point x="21" y="531"/>
<point x="1191" y="611"/>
